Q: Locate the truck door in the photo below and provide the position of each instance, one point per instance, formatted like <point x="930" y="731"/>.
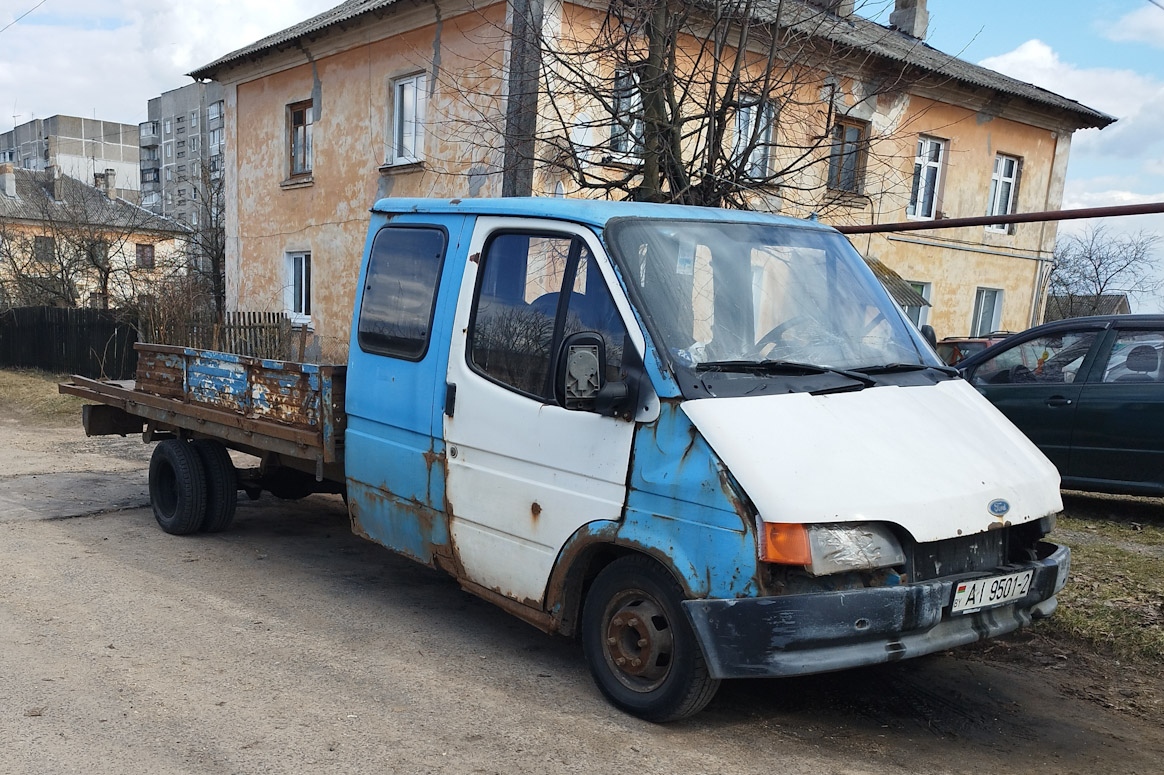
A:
<point x="396" y="387"/>
<point x="524" y="473"/>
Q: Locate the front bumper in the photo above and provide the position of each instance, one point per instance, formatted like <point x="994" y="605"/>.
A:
<point x="822" y="632"/>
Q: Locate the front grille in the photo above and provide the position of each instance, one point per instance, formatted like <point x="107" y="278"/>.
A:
<point x="965" y="554"/>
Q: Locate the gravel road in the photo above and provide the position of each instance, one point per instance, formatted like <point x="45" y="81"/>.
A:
<point x="287" y="645"/>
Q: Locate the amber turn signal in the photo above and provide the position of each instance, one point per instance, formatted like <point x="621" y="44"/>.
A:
<point x="786" y="544"/>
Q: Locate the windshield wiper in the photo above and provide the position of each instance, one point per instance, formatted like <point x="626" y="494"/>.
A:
<point x="794" y="368"/>
<point x="898" y="368"/>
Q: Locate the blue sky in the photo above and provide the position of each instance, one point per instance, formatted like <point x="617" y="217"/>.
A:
<point x="1107" y="54"/>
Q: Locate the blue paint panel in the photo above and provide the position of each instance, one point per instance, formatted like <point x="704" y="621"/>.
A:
<point x="677" y="507"/>
<point x="394" y="447"/>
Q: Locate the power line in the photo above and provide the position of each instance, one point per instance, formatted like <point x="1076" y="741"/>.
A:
<point x="21" y="16"/>
<point x="1156" y="3"/>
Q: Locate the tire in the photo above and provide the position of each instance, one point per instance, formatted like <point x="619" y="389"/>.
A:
<point x="221" y="485"/>
<point x="177" y="487"/>
<point x="633" y="613"/>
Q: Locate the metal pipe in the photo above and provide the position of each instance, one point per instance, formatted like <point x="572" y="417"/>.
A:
<point x="987" y="220"/>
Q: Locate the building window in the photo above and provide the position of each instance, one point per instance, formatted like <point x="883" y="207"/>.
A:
<point x="214" y="112"/>
<point x="193" y="119"/>
<point x="168" y="126"/>
<point x="194" y="143"/>
<point x="755" y="120"/>
<point x="1003" y="189"/>
<point x="847" y="155"/>
<point x="151" y="199"/>
<point x="169" y="150"/>
<point x="408" y="112"/>
<point x="300" y="121"/>
<point x="145" y="256"/>
<point x="169" y="174"/>
<point x="626" y="129"/>
<point x="214" y="137"/>
<point x="927" y="176"/>
<point x="149" y="176"/>
<point x="987" y="311"/>
<point x="396" y="311"/>
<point x="298" y="295"/>
<point x="44" y="250"/>
<point x="98" y="252"/>
<point x="919" y="314"/>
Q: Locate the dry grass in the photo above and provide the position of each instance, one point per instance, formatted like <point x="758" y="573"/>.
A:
<point x="1114" y="599"/>
<point x="33" y="395"/>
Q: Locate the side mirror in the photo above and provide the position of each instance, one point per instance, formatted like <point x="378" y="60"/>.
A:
<point x="927" y="332"/>
<point x="581" y="380"/>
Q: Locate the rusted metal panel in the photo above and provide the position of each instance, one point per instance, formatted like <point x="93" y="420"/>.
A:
<point x="298" y="395"/>
<point x="303" y="444"/>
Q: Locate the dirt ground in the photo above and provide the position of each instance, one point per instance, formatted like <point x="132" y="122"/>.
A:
<point x="287" y="645"/>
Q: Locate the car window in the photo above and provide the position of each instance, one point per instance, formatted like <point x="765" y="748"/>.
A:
<point x="1050" y="359"/>
<point x="1135" y="357"/>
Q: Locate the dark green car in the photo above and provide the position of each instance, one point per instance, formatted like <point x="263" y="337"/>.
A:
<point x="1089" y="392"/>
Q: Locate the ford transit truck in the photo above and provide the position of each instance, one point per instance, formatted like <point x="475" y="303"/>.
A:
<point x="707" y="443"/>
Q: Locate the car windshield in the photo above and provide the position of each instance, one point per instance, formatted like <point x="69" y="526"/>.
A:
<point x="727" y="296"/>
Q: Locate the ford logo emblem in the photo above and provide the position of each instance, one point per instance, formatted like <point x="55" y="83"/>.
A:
<point x="999" y="507"/>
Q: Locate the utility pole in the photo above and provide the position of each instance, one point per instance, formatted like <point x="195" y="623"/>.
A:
<point x="525" y="64"/>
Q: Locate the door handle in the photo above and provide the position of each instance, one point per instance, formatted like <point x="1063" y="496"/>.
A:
<point x="1054" y="401"/>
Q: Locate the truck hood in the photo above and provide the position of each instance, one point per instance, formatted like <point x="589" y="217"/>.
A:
<point x="939" y="460"/>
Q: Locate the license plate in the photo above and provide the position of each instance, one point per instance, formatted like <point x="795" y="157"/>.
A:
<point x="970" y="596"/>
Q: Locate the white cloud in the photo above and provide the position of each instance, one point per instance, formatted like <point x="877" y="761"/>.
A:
<point x="1144" y="25"/>
<point x="108" y="57"/>
<point x="1135" y="99"/>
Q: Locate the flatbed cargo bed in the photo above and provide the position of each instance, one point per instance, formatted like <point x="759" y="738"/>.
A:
<point x="295" y="410"/>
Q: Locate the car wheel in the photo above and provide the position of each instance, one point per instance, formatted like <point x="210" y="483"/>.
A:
<point x="177" y="487"/>
<point x="639" y="644"/>
<point x="221" y="485"/>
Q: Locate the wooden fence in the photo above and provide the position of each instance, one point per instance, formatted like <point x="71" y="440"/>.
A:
<point x="91" y="342"/>
<point x="258" y="334"/>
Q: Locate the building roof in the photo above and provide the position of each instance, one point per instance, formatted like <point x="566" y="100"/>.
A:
<point x="853" y="32"/>
<point x="1061" y="307"/>
<point x="76" y="201"/>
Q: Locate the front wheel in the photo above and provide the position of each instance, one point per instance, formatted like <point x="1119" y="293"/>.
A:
<point x="639" y="644"/>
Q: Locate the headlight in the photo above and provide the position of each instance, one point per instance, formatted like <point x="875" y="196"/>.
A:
<point x="831" y="548"/>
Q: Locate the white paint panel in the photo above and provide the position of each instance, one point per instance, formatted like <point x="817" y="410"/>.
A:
<point x="513" y="452"/>
<point x="930" y="459"/>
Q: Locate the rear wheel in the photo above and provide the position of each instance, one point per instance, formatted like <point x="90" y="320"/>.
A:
<point x="177" y="487"/>
<point x="639" y="645"/>
<point x="221" y="485"/>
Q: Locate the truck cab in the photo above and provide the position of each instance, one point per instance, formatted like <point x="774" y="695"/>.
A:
<point x="706" y="442"/>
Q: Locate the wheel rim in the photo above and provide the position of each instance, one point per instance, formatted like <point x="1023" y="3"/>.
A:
<point x="638" y="643"/>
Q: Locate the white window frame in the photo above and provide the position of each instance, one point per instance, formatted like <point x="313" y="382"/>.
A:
<point x="297" y="292"/>
<point x="927" y="178"/>
<point x="193" y="119"/>
<point x="626" y="124"/>
<point x="759" y="159"/>
<point x="980" y="296"/>
<point x="922" y="314"/>
<point x="214" y="111"/>
<point x="409" y="108"/>
<point x="998" y="204"/>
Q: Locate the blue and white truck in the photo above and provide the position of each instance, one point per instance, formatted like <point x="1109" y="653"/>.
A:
<point x="705" y="442"/>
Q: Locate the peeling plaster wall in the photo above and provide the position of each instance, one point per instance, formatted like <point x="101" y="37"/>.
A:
<point x="349" y="74"/>
<point x="958" y="261"/>
<point x="350" y="81"/>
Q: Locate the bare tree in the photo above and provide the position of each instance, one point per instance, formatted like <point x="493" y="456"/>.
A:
<point x="718" y="104"/>
<point x="65" y="243"/>
<point x="1099" y="263"/>
<point x="206" y="242"/>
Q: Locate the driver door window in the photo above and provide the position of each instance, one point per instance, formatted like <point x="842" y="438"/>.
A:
<point x="534" y="291"/>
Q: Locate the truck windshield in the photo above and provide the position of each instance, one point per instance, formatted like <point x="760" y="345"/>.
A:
<point x="744" y="297"/>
